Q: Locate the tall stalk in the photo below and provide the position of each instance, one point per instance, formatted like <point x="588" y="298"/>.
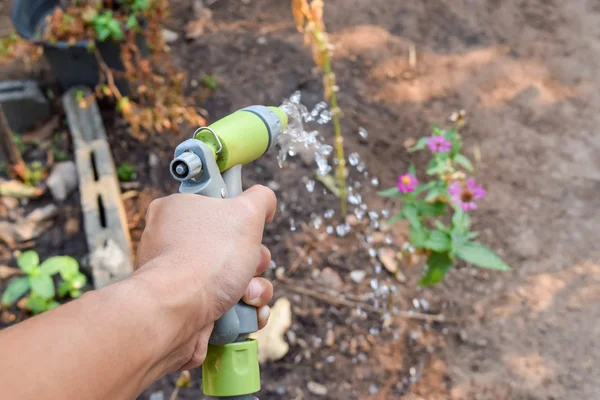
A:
<point x="309" y="20"/>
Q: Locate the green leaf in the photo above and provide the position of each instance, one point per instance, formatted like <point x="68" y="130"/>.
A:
<point x="438" y="264"/>
<point x="28" y="261"/>
<point x="210" y="81"/>
<point x="431" y="209"/>
<point x="52" y="304"/>
<point x="441" y="226"/>
<point x="103" y="33"/>
<point x="75" y="293"/>
<point x="391" y="192"/>
<point x="132" y="22"/>
<point x="115" y="29"/>
<point x="37" y="304"/>
<point x="67" y="266"/>
<point x="15" y="290"/>
<point x="451" y="134"/>
<point x="411" y="214"/>
<point x="78" y="281"/>
<point x="472" y="235"/>
<point x="438" y="241"/>
<point x="396" y="218"/>
<point x="422" y="188"/>
<point x="63" y="288"/>
<point x="421" y="144"/>
<point x="418" y="236"/>
<point x="435" y="193"/>
<point x="481" y="256"/>
<point x="435" y="166"/>
<point x="42" y="285"/>
<point x="463" y="162"/>
<point x="126" y="172"/>
<point x="412" y="170"/>
<point x="461" y="221"/>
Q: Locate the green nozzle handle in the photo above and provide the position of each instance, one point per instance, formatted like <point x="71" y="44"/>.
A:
<point x="244" y="135"/>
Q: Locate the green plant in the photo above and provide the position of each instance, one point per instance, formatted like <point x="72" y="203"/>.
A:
<point x="126" y="172"/>
<point x="34" y="173"/>
<point x="437" y="211"/>
<point x="38" y="281"/>
<point x="107" y="27"/>
<point x="210" y="81"/>
<point x="18" y="140"/>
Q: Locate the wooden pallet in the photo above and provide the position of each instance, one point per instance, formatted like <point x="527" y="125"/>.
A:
<point x="104" y="219"/>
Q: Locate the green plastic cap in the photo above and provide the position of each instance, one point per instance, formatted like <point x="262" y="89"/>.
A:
<point x="231" y="370"/>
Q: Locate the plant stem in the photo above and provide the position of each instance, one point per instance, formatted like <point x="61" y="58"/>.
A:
<point x="174" y="394"/>
<point x="341" y="170"/>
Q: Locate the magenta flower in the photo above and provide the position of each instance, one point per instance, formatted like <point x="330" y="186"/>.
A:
<point x="407" y="183"/>
<point x="464" y="196"/>
<point x="439" y="144"/>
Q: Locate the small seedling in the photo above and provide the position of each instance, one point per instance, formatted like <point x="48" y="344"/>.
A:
<point x="39" y="283"/>
<point x="426" y="207"/>
<point x="126" y="172"/>
<point x="210" y="81"/>
<point x="34" y="173"/>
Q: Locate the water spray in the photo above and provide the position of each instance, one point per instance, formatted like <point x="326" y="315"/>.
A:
<point x="210" y="164"/>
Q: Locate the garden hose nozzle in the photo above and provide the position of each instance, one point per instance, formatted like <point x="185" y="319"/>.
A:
<point x="210" y="164"/>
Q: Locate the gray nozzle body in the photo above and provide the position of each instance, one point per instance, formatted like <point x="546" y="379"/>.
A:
<point x="186" y="166"/>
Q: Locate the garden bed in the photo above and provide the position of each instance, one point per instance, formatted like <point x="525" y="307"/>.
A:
<point x="528" y="120"/>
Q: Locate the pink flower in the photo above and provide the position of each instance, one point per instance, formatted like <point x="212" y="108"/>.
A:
<point x="439" y="144"/>
<point x="407" y="183"/>
<point x="464" y="196"/>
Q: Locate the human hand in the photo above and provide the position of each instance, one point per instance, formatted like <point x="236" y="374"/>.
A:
<point x="198" y="256"/>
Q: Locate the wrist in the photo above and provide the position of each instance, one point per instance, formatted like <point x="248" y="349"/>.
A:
<point x="176" y="308"/>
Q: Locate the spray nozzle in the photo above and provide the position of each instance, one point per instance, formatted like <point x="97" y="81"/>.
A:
<point x="186" y="166"/>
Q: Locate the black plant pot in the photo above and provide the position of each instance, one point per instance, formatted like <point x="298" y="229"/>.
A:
<point x="72" y="64"/>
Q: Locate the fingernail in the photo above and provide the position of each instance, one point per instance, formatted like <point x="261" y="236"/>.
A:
<point x="254" y="289"/>
<point x="264" y="313"/>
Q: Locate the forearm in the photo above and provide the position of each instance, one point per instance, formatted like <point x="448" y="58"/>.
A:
<point x="104" y="345"/>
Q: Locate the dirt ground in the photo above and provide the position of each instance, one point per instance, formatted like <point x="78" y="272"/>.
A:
<point x="526" y="72"/>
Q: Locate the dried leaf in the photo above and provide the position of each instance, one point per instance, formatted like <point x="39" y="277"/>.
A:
<point x="271" y="343"/>
<point x="8" y="272"/>
<point x="299" y="9"/>
<point x="19" y="190"/>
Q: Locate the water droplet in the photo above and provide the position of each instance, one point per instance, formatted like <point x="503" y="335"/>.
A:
<point x="292" y="225"/>
<point x="374" y="331"/>
<point x="325" y="117"/>
<point x="309" y="260"/>
<point x="369" y="239"/>
<point x="342" y="230"/>
<point x="412" y="371"/>
<point x="330" y="230"/>
<point x="317" y="222"/>
<point x="362" y="132"/>
<point x="378" y="268"/>
<point x="385" y="213"/>
<point x="330" y="359"/>
<point x="272" y="264"/>
<point x="375" y="182"/>
<point x="296" y="97"/>
<point x="374" y="284"/>
<point x="310" y="186"/>
<point x="361" y="167"/>
<point x="373" y="215"/>
<point x="388" y="239"/>
<point x="372" y="252"/>
<point x="373" y="389"/>
<point x="416" y="303"/>
<point x="353" y="159"/>
<point x="425" y="304"/>
<point x="359" y="213"/>
<point x="355" y="199"/>
<point x="329" y="214"/>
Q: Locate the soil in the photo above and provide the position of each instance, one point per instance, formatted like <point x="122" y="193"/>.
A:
<point x="526" y="72"/>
